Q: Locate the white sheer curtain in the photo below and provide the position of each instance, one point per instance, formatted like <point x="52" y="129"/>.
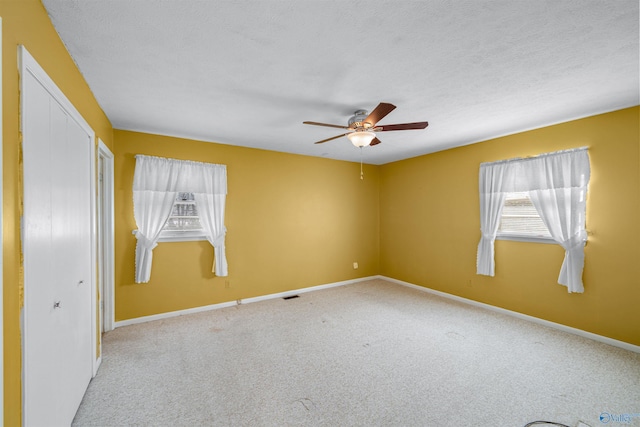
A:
<point x="211" y="211"/>
<point x="154" y="192"/>
<point x="557" y="185"/>
<point x="493" y="179"/>
<point x="559" y="192"/>
<point x="156" y="183"/>
<point x="210" y="200"/>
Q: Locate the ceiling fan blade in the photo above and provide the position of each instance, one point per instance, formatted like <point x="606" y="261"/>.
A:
<point x="327" y="125"/>
<point x="403" y="126"/>
<point x="333" y="137"/>
<point x="379" y="113"/>
<point x="375" y="141"/>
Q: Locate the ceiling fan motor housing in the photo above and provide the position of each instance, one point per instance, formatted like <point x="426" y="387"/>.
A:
<point x="357" y="120"/>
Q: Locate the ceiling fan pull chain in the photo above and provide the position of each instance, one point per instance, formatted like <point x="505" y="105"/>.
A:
<point x="361" y="173"/>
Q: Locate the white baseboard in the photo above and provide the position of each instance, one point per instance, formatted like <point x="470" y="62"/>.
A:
<point x="569" y="329"/>
<point x="303" y="290"/>
<point x="172" y="314"/>
<point x="233" y="303"/>
<point x="97" y="365"/>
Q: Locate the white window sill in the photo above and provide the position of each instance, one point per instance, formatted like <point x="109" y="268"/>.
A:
<point x="179" y="236"/>
<point x="523" y="238"/>
<point x="182" y="238"/>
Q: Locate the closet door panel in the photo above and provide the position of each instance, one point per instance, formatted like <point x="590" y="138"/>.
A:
<point x="57" y="259"/>
<point x="76" y="206"/>
<point x="40" y="294"/>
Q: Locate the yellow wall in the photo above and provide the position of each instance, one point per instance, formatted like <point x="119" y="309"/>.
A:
<point x="25" y="22"/>
<point x="292" y="222"/>
<point x="429" y="222"/>
<point x="296" y="221"/>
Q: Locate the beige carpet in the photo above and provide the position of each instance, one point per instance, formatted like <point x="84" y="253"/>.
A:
<point x="367" y="354"/>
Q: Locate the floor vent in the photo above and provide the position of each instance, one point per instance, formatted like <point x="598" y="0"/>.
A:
<point x="291" y="297"/>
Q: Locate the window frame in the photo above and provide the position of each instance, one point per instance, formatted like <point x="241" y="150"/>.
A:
<point x="522" y="237"/>
<point x="182" y="235"/>
<point x="167" y="236"/>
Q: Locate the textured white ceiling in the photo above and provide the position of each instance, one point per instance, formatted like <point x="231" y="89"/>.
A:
<point x="249" y="72"/>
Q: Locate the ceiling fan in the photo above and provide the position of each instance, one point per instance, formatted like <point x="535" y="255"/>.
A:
<point x="363" y="125"/>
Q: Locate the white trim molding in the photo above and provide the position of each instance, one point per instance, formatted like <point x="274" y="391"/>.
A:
<point x="304" y="290"/>
<point x="94" y="255"/>
<point x="237" y="302"/>
<point x="108" y="269"/>
<point x="1" y="254"/>
<point x="558" y="326"/>
<point x="171" y="314"/>
<point x="529" y="239"/>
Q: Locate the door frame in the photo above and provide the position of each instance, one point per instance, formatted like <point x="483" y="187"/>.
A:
<point x="28" y="64"/>
<point x="1" y="253"/>
<point x="107" y="260"/>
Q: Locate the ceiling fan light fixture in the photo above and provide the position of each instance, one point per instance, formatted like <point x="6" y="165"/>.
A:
<point x="361" y="138"/>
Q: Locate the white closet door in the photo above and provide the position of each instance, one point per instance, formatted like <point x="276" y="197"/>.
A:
<point x="37" y="258"/>
<point x="57" y="260"/>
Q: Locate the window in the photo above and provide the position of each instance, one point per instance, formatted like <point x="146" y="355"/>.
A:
<point x="520" y="220"/>
<point x="556" y="183"/>
<point x="184" y="223"/>
<point x="180" y="200"/>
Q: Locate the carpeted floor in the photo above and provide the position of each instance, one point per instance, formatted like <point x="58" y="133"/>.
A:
<point x="368" y="354"/>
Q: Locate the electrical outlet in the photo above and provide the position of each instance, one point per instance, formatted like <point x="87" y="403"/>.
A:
<point x="355" y="265"/>
<point x="227" y="284"/>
